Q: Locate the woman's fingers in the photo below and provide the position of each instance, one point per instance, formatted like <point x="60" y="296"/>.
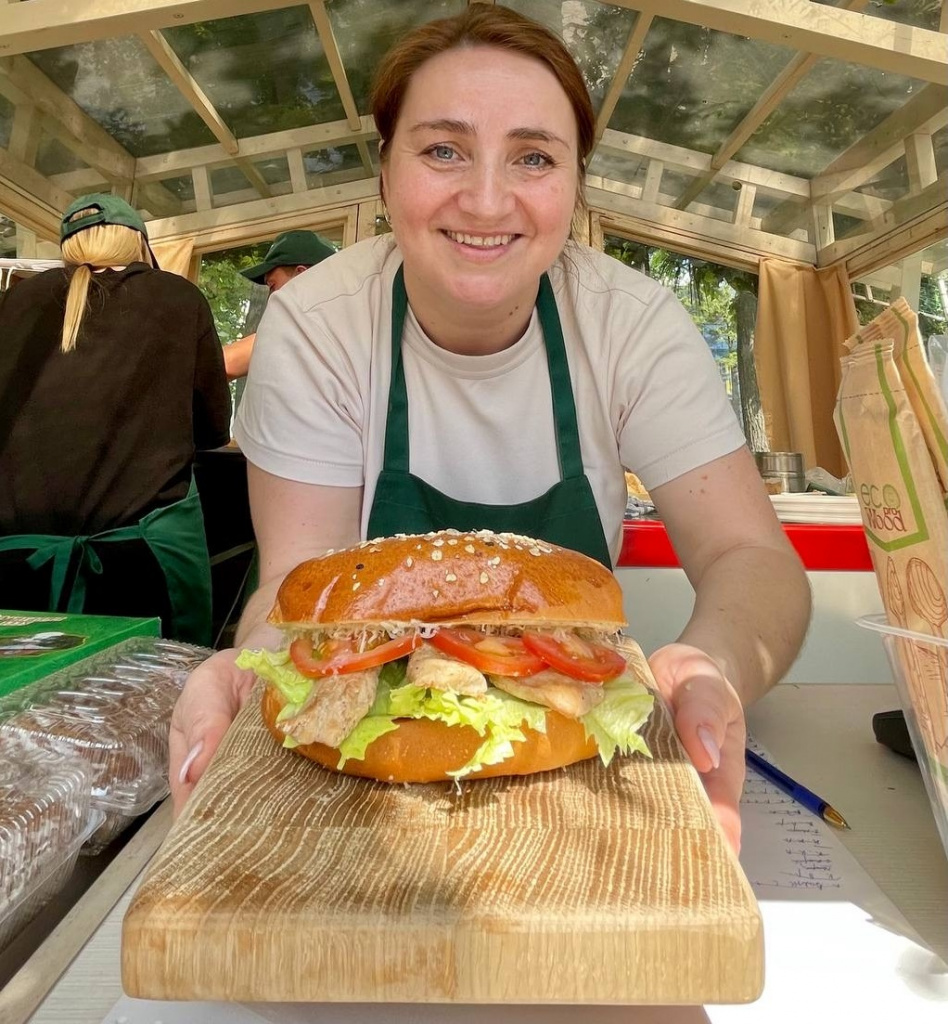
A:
<point x="210" y="700"/>
<point x="709" y="720"/>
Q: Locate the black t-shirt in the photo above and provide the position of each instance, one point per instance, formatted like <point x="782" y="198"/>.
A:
<point x="102" y="435"/>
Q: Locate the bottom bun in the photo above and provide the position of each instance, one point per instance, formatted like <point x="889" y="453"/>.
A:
<point x="422" y="750"/>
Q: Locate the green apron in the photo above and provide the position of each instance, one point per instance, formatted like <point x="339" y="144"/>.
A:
<point x="174" y="534"/>
<point x="566" y="514"/>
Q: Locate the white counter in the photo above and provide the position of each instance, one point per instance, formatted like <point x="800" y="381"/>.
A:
<point x="821" y="734"/>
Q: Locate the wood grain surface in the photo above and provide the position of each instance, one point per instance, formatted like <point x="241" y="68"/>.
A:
<point x="283" y="881"/>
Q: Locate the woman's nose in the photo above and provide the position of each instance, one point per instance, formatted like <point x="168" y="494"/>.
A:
<point x="486" y="192"/>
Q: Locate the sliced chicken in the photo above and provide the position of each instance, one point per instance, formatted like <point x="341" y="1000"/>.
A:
<point x="335" y="706"/>
<point x="429" y="667"/>
<point x="571" y="697"/>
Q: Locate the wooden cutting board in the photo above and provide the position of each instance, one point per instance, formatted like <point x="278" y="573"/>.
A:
<point x="282" y="881"/>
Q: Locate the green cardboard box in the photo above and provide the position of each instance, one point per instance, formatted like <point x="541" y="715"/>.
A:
<point x="33" y="644"/>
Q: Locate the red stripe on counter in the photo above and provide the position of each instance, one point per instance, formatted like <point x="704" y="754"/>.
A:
<point x="645" y="544"/>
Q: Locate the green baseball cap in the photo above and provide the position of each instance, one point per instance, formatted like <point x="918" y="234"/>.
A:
<point x="104" y="209"/>
<point x="291" y="249"/>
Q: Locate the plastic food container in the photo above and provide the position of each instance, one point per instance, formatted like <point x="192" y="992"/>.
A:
<point x="919" y="663"/>
<point x="112" y="712"/>
<point x="46" y="815"/>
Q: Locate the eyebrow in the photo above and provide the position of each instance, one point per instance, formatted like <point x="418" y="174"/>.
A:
<point x="466" y="128"/>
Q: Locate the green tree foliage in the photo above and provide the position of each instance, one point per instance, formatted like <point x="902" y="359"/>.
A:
<point x="722" y="303"/>
<point x="235" y="302"/>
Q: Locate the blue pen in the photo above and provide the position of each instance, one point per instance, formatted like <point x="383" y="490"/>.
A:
<point x="801" y="794"/>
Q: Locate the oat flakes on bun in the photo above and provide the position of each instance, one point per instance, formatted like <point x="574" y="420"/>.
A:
<point x="450" y="654"/>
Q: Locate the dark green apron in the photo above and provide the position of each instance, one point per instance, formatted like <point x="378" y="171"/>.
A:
<point x="566" y="514"/>
<point x="174" y="534"/>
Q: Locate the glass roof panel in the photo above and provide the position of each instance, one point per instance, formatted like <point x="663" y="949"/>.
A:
<point x="721" y="199"/>
<point x="829" y="110"/>
<point x="627" y="168"/>
<point x="596" y="34"/>
<point x="319" y="163"/>
<point x="681" y="89"/>
<point x="228" y="179"/>
<point x="366" y="29"/>
<point x="119" y="85"/>
<point x="6" y="120"/>
<point x="181" y="187"/>
<point x="917" y="13"/>
<point x="890" y="183"/>
<point x="52" y="157"/>
<point x="262" y="72"/>
<point x="274" y="170"/>
<point x="7" y="238"/>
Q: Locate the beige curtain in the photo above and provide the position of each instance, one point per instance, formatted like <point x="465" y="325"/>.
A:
<point x="175" y="257"/>
<point x="803" y="316"/>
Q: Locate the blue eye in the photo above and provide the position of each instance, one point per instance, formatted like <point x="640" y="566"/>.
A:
<point x="537" y="160"/>
<point x="442" y="152"/>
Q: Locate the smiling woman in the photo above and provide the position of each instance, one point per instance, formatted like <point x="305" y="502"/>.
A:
<point x="477" y="370"/>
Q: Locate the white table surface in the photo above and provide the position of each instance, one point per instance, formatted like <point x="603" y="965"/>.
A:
<point x="820" y="733"/>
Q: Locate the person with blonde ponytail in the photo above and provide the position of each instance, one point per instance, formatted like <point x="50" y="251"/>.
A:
<point x="111" y="377"/>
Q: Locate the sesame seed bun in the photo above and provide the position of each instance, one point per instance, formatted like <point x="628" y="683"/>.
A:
<point x="421" y="750"/>
<point x="447" y="577"/>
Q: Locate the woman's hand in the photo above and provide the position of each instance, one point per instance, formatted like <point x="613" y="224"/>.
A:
<point x="209" y="702"/>
<point x="710" y="722"/>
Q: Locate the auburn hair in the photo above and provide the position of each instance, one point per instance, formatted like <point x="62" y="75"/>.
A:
<point x="479" y="25"/>
<point x="102" y="245"/>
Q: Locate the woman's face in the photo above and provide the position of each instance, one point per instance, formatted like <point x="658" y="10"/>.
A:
<point x="481" y="177"/>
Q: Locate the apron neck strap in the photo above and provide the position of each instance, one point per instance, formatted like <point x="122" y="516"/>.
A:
<point x="396" y="453"/>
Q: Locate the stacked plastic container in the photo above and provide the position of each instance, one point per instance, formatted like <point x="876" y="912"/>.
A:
<point x="83" y="752"/>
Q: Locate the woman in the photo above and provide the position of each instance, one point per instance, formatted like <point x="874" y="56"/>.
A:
<point x="111" y="373"/>
<point x="515" y="364"/>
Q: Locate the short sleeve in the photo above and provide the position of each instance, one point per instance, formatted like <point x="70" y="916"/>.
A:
<point x="670" y="406"/>
<point x="302" y="412"/>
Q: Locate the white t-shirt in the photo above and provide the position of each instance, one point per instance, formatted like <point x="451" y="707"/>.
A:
<point x="648" y="395"/>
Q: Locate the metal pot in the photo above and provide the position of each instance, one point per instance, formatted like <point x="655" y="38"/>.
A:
<point x="787" y="467"/>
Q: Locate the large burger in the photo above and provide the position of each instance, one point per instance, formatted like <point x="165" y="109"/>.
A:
<point x="444" y="655"/>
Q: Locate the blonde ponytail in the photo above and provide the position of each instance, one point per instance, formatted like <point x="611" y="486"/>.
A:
<point x="103" y="245"/>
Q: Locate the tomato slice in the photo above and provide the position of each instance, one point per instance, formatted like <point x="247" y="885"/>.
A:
<point x="336" y="657"/>
<point x="496" y="655"/>
<point x="575" y="657"/>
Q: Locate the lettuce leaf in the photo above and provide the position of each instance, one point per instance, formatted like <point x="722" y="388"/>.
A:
<point x="614" y="724"/>
<point x="276" y="668"/>
<point x="496" y="716"/>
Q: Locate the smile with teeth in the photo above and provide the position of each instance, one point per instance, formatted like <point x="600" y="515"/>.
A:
<point x="480" y="241"/>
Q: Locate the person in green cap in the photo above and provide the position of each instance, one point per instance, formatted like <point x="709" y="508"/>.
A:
<point x="291" y="253"/>
<point x="111" y="375"/>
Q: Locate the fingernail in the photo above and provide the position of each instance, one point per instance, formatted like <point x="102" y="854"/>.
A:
<point x="193" y="755"/>
<point x="709" y="744"/>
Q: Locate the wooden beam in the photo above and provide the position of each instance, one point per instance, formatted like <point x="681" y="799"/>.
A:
<point x="22" y="81"/>
<point x="202" y="188"/>
<point x="693" y="161"/>
<point x="921" y="210"/>
<point x="185" y="83"/>
<point x="925" y="112"/>
<point x="799" y="24"/>
<point x="633" y="48"/>
<point x="282" y="212"/>
<point x="27" y="211"/>
<point x="663" y="221"/>
<point x="42" y="24"/>
<point x="920" y="161"/>
<point x="755" y="117"/>
<point x="255" y="178"/>
<point x="317" y="136"/>
<point x="294" y="160"/>
<point x="331" y="48"/>
<point x="25" y="133"/>
<point x="30" y="179"/>
<point x="815" y="28"/>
